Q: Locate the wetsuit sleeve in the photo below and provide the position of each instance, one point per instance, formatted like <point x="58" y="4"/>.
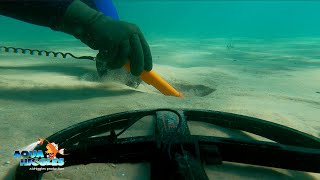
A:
<point x="39" y="12"/>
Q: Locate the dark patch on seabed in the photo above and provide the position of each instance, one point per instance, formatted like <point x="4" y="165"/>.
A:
<point x="318" y="92"/>
<point x="194" y="90"/>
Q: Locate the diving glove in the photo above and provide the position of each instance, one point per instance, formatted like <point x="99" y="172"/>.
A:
<point x="117" y="41"/>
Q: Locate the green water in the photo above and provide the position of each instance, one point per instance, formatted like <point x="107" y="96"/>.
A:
<point x="247" y="25"/>
<point x="263" y="19"/>
<point x="200" y="19"/>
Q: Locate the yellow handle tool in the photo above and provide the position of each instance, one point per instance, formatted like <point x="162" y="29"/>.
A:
<point x="152" y="78"/>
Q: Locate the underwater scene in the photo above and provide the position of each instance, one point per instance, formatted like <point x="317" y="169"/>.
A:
<point x="238" y="59"/>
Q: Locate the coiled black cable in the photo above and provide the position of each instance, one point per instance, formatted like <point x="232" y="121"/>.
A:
<point x="42" y="52"/>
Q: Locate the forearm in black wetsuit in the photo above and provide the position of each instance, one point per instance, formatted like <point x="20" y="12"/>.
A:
<point x="39" y="12"/>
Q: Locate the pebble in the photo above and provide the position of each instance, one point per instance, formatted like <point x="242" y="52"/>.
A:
<point x="7" y="162"/>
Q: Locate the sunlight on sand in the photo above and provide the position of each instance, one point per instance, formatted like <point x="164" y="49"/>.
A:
<point x="253" y="78"/>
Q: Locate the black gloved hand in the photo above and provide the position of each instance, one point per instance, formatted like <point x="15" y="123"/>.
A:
<point x="117" y="41"/>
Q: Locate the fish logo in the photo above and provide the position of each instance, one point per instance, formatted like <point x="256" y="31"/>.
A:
<point x="52" y="148"/>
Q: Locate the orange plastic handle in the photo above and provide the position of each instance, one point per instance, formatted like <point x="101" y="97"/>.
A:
<point x="152" y="78"/>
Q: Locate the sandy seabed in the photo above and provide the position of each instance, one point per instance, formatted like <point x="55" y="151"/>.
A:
<point x="277" y="80"/>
